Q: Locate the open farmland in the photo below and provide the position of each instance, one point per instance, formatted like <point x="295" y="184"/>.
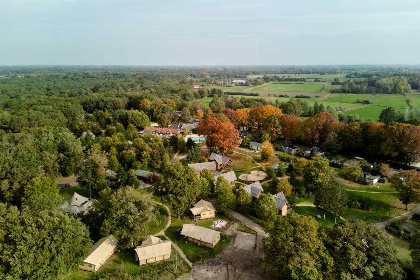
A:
<point x="289" y="87"/>
<point x="345" y="101"/>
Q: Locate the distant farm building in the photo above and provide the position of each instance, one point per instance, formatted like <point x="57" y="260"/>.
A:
<point x="203" y="210"/>
<point x="200" y="235"/>
<point x="153" y="250"/>
<point x="101" y="252"/>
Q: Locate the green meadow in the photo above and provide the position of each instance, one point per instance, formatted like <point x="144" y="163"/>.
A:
<point x="347" y="102"/>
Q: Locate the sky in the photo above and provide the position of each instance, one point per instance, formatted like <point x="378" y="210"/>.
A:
<point x="209" y="32"/>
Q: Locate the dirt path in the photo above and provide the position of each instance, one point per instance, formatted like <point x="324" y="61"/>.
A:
<point x="350" y="190"/>
<point x="162" y="232"/>
<point x="242" y="149"/>
<point x="246" y="221"/>
<point x="177" y="158"/>
<point x="401" y="217"/>
<point x="305" y="204"/>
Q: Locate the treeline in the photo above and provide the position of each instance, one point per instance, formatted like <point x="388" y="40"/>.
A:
<point x="395" y="85"/>
<point x="374" y="140"/>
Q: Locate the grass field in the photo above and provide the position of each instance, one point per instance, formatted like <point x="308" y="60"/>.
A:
<point x="289" y="87"/>
<point x="347" y="102"/>
<point x="68" y="192"/>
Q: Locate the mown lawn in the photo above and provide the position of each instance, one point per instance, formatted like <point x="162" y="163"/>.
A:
<point x="194" y="252"/>
<point x="66" y="193"/>
<point x="384" y="206"/>
<point x="316" y="213"/>
<point x="160" y="222"/>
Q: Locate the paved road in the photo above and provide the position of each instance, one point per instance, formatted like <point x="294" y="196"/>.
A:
<point x="162" y="232"/>
<point x="246" y="221"/>
<point x="403" y="216"/>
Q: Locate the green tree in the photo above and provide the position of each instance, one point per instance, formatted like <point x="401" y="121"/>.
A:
<point x="333" y="143"/>
<point x="352" y="171"/>
<point x="224" y="196"/>
<point x="407" y="184"/>
<point x="131" y="132"/>
<point x="162" y="120"/>
<point x="127" y="215"/>
<point x="362" y="251"/>
<point x="180" y="187"/>
<point x="185" y="114"/>
<point x="243" y="199"/>
<point x="317" y="172"/>
<point x="293" y="249"/>
<point x="266" y="208"/>
<point x="217" y="105"/>
<point x="92" y="173"/>
<point x="207" y="186"/>
<point x="194" y="155"/>
<point x="137" y="118"/>
<point x="282" y="185"/>
<point x="415" y="252"/>
<point x="390" y="115"/>
<point x="41" y="244"/>
<point x="332" y="197"/>
<point x="40" y="185"/>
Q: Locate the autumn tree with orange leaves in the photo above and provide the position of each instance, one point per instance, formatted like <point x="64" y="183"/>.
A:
<point x="222" y="136"/>
<point x="403" y="142"/>
<point x="291" y="127"/>
<point x="317" y="128"/>
<point x="259" y="116"/>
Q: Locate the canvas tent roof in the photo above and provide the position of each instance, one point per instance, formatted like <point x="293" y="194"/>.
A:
<point x="200" y="233"/>
<point x="142" y="173"/>
<point x="101" y="250"/>
<point x="220" y="159"/>
<point x="280" y="200"/>
<point x="230" y="176"/>
<point x="198" y="167"/>
<point x="254" y="189"/>
<point x="153" y="247"/>
<point x="202" y="206"/>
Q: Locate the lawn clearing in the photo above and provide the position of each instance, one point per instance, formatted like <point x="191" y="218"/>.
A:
<point x="160" y="222"/>
<point x="403" y="251"/>
<point x="66" y="193"/>
<point x="316" y="213"/>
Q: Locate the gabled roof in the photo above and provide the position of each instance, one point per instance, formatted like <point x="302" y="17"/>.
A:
<point x="202" y="206"/>
<point x="254" y="189"/>
<point x="142" y="173"/>
<point x="230" y="176"/>
<point x="220" y="159"/>
<point x="153" y="247"/>
<point x="198" y="167"/>
<point x="101" y="250"/>
<point x="200" y="233"/>
<point x="280" y="200"/>
<point x="256" y="144"/>
<point x="111" y="174"/>
<point x="78" y="204"/>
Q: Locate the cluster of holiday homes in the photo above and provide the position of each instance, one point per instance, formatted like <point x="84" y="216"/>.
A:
<point x="175" y="129"/>
<point x="217" y="162"/>
<point x="153" y="249"/>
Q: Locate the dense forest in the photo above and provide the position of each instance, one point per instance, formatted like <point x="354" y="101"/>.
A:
<point x="57" y="122"/>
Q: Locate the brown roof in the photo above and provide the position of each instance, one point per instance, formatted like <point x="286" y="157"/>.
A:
<point x="163" y="130"/>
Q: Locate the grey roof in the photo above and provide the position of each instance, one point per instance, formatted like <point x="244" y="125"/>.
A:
<point x="142" y="173"/>
<point x="111" y="174"/>
<point x="230" y="176"/>
<point x="254" y="189"/>
<point x="77" y="204"/>
<point x="280" y="200"/>
<point x="198" y="167"/>
<point x="255" y="144"/>
<point x="200" y="233"/>
<point x="220" y="159"/>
